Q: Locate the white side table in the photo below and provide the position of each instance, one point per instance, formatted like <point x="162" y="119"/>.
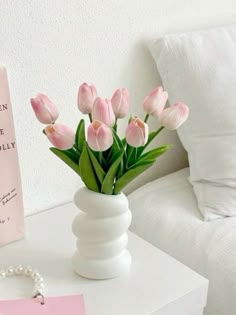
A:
<point x="156" y="285"/>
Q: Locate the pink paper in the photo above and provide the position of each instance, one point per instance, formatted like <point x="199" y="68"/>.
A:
<point x="64" y="305"/>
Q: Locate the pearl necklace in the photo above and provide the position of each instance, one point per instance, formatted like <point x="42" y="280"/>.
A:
<point x="27" y="272"/>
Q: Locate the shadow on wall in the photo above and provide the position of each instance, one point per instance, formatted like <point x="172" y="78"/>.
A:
<point x="141" y="75"/>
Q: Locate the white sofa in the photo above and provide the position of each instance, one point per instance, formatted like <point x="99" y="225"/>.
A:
<point x="165" y="213"/>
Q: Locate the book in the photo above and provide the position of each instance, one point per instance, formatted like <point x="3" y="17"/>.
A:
<point x="11" y="201"/>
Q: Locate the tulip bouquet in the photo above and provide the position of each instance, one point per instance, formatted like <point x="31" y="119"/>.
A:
<point x="105" y="162"/>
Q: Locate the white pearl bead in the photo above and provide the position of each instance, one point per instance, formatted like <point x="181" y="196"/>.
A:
<point x="39" y="285"/>
<point x="28" y="271"/>
<point x="36" y="278"/>
<point x="34" y="274"/>
<point x="10" y="271"/>
<point x="39" y="280"/>
<point x="19" y="270"/>
<point x="2" y="274"/>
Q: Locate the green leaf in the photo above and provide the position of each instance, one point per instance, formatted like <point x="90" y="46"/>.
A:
<point x="108" y="183"/>
<point x="144" y="162"/>
<point x="117" y="140"/>
<point x="154" y="154"/>
<point x="67" y="157"/>
<point x="121" y="168"/>
<point x="87" y="172"/>
<point x="130" y="175"/>
<point x="74" y="155"/>
<point x="96" y="166"/>
<point x="80" y="136"/>
<point x="116" y="147"/>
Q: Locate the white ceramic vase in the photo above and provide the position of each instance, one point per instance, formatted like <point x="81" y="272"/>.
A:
<point x="101" y="228"/>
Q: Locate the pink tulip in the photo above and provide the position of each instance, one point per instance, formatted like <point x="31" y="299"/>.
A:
<point x="102" y="110"/>
<point x="136" y="133"/>
<point x="86" y="96"/>
<point x="45" y="111"/>
<point x="155" y="101"/>
<point x="120" y="102"/>
<point x="61" y="136"/>
<point x="174" y="116"/>
<point x="99" y="136"/>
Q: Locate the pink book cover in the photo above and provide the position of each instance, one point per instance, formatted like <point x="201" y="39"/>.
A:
<point x="11" y="203"/>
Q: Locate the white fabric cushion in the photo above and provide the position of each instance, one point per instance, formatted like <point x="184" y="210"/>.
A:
<point x="165" y="213"/>
<point x="199" y="68"/>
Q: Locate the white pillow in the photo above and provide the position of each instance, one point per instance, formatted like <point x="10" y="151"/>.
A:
<point x="199" y="68"/>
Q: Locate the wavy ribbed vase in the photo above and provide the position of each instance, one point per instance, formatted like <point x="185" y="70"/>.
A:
<point x="101" y="228"/>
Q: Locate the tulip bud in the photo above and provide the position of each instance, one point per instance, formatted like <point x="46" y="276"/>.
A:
<point x="102" y="111"/>
<point x="174" y="116"/>
<point x="155" y="101"/>
<point x="61" y="136"/>
<point x="120" y="102"/>
<point x="136" y="133"/>
<point x="86" y="96"/>
<point x="45" y="111"/>
<point x="99" y="136"/>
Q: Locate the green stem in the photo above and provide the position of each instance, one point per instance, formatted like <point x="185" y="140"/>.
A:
<point x="117" y="144"/>
<point x="146" y="118"/>
<point x="154" y="136"/>
<point x="90" y="117"/>
<point x="100" y="157"/>
<point x="135" y="155"/>
<point x="115" y="125"/>
<point x="129" y="156"/>
<point x="159" y="130"/>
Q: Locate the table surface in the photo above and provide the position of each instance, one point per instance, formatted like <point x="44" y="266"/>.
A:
<point x="155" y="281"/>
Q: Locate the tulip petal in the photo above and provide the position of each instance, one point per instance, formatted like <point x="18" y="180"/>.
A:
<point x="45" y="111"/>
<point x="160" y="104"/>
<point x="102" y="111"/>
<point x="174" y="116"/>
<point x="99" y="136"/>
<point x="136" y="133"/>
<point x="120" y="102"/>
<point x="61" y="136"/>
<point x="133" y="137"/>
<point x="86" y="96"/>
<point x="92" y="138"/>
<point x="155" y="101"/>
<point x="104" y="138"/>
<point x="49" y="105"/>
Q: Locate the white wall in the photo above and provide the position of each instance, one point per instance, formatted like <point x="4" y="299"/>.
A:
<point x="53" y="46"/>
